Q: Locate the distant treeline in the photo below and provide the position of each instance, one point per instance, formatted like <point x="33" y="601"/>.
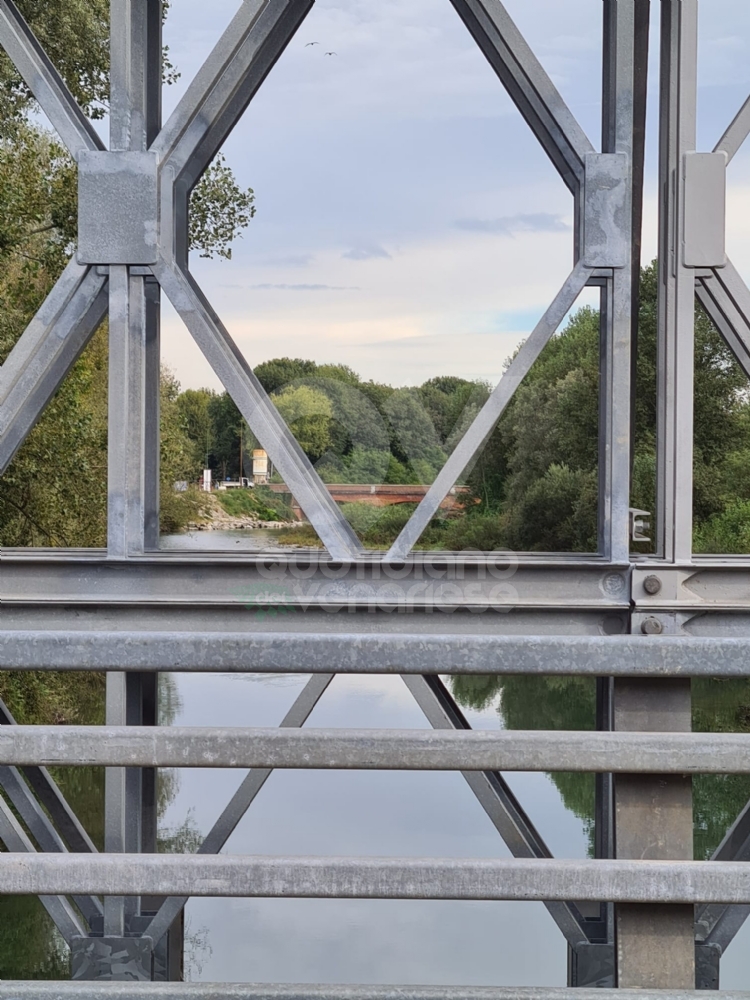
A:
<point x="535" y="485"/>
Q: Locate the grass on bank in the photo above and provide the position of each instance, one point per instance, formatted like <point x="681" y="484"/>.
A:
<point x="378" y="527"/>
<point x="259" y="502"/>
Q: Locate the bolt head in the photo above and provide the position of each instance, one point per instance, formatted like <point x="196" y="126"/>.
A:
<point x="652" y="626"/>
<point x="652" y="585"/>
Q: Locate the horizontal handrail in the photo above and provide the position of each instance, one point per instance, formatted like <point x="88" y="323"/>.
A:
<point x="266" y="991"/>
<point x="376" y="749"/>
<point x="678" y="882"/>
<point x="375" y="653"/>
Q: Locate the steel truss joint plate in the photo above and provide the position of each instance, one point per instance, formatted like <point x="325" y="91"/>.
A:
<point x="607" y="217"/>
<point x="118" y="197"/>
<point x="704" y="241"/>
<point x="107" y="959"/>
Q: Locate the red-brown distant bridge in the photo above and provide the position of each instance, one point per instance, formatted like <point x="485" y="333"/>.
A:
<point x="384" y="495"/>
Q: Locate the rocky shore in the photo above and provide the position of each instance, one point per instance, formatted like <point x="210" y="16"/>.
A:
<point x="217" y="519"/>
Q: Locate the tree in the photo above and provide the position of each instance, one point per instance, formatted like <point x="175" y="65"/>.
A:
<point x="417" y="436"/>
<point x="274" y="375"/>
<point x="55" y="490"/>
<point x="226" y="423"/>
<point x="194" y="408"/>
<point x="539" y="471"/>
<point x="308" y="413"/>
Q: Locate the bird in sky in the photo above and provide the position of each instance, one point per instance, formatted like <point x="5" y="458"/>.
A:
<point x="311" y="43"/>
<point x="331" y="53"/>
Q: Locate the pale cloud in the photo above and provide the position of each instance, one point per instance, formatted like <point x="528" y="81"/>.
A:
<point x="300" y="288"/>
<point x="404" y="159"/>
<point x="541" y="222"/>
<point x="290" y="260"/>
<point x="372" y="252"/>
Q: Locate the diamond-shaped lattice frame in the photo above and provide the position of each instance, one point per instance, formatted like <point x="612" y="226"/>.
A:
<point x="183" y="148"/>
<point x="600" y="183"/>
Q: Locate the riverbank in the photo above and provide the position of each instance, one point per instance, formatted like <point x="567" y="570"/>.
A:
<point x="245" y="513"/>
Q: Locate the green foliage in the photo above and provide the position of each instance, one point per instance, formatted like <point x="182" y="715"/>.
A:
<point x="361" y="516"/>
<point x="280" y="372"/>
<point x="194" y="414"/>
<point x="30" y="947"/>
<point x="728" y="531"/>
<point x="54" y="492"/>
<point x="219" y="211"/>
<point x="75" y="35"/>
<point x="417" y="437"/>
<point x="308" y="413"/>
<point x="259" y="503"/>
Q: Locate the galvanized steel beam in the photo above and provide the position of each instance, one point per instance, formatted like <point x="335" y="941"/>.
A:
<point x="376" y="749"/>
<point x="623" y="135"/>
<point x="736" y="133"/>
<point x="378" y="653"/>
<point x="46" y="351"/>
<point x="658" y="882"/>
<point x="654" y="821"/>
<point x="269" y="991"/>
<point x="261" y="415"/>
<point x="16" y="840"/>
<point x="675" y="343"/>
<point x="225" y="85"/>
<point x="718" y="925"/>
<point x="726" y="299"/>
<point x="304" y="580"/>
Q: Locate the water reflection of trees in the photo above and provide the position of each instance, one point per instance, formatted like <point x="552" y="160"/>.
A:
<point x="570" y="703"/>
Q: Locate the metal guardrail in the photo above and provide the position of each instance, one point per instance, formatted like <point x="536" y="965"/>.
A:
<point x="265" y="991"/>
<point x="377" y="653"/>
<point x="539" y="879"/>
<point x="372" y="749"/>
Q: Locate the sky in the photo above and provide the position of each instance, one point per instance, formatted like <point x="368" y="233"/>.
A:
<point x="408" y="224"/>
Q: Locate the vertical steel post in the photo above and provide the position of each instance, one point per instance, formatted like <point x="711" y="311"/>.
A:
<point x="679" y="60"/>
<point x="133" y="523"/>
<point x="654" y="821"/>
<point x="115" y="803"/>
<point x="134" y="428"/>
<point x="654" y="815"/>
<point x="622" y="126"/>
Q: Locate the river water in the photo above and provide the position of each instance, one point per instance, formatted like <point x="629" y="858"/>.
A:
<point x="370" y="813"/>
